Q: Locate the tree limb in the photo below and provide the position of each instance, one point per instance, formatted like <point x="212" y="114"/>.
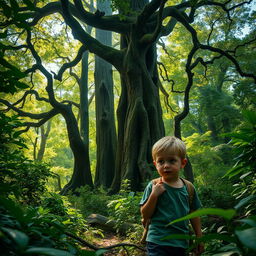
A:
<point x="27" y="114"/>
<point x="70" y="64"/>
<point x="151" y="38"/>
<point x="148" y="10"/>
<point x="107" y="53"/>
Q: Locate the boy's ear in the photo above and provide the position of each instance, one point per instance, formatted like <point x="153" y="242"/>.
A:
<point x="154" y="162"/>
<point x="184" y="162"/>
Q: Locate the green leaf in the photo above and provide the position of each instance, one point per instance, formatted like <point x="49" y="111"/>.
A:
<point x="13" y="209"/>
<point x="244" y="201"/>
<point x="117" y="205"/>
<point x="100" y="252"/>
<point x="87" y="253"/>
<point x="250" y="116"/>
<point x="230" y="253"/>
<point x="21" y="85"/>
<point x="247" y="237"/>
<point x="46" y="251"/>
<point x="216" y="236"/>
<point x="234" y="171"/>
<point x="249" y="221"/>
<point x="19" y="238"/>
<point x="227" y="214"/>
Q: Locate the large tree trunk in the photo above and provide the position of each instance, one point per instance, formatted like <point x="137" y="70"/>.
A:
<point x="81" y="175"/>
<point x="139" y="117"/>
<point x="104" y="102"/>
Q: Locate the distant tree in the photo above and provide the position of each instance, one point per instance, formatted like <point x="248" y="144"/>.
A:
<point x="105" y="116"/>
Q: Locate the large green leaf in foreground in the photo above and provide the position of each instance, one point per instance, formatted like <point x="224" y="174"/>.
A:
<point x="227" y="214"/>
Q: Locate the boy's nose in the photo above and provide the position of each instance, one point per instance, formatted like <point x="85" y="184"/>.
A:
<point x="166" y="164"/>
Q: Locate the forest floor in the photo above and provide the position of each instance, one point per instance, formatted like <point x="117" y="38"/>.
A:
<point x="111" y="238"/>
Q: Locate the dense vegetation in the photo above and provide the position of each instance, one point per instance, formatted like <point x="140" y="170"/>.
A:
<point x="76" y="133"/>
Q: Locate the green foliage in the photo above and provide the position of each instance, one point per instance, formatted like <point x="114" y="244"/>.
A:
<point x="238" y="238"/>
<point x="238" y="234"/>
<point x="90" y="201"/>
<point x="123" y="6"/>
<point x="25" y="227"/>
<point x="36" y="231"/>
<point x="19" y="175"/>
<point x="125" y="207"/>
<point x="244" y="171"/>
<point x="209" y="165"/>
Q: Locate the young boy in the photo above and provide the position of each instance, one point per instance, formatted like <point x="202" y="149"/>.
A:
<point x="168" y="200"/>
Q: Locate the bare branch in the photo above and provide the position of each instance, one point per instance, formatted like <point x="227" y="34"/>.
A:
<point x="20" y="112"/>
<point x="107" y="53"/>
<point x="212" y="27"/>
<point x="231" y="58"/>
<point x="72" y="63"/>
<point x="30" y="92"/>
<point x="166" y="77"/>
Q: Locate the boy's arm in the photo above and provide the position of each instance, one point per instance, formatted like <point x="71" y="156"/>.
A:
<point x="149" y="207"/>
<point x="197" y="227"/>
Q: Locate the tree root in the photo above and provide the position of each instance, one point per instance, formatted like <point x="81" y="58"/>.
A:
<point x="95" y="248"/>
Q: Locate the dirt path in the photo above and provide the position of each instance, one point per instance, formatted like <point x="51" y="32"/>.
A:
<point x="112" y="239"/>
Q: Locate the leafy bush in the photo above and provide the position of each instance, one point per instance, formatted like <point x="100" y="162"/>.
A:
<point x="25" y="227"/>
<point x="125" y="206"/>
<point x="33" y="230"/>
<point x="19" y="175"/>
<point x="90" y="201"/>
<point x="243" y="174"/>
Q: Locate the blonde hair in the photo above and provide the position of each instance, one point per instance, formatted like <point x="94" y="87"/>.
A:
<point x="173" y="145"/>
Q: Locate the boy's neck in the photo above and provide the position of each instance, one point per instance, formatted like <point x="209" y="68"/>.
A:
<point x="174" y="182"/>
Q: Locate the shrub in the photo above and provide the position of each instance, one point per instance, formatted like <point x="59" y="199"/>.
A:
<point x="90" y="201"/>
<point x="124" y="208"/>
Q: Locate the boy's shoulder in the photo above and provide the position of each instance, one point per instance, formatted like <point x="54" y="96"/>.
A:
<point x="189" y="186"/>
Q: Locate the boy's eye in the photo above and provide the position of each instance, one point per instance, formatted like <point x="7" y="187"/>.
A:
<point x="160" y="161"/>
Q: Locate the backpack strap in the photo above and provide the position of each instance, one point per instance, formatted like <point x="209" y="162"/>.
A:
<point x="191" y="191"/>
<point x="189" y="186"/>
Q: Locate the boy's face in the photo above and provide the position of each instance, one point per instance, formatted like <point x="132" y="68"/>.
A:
<point x="168" y="165"/>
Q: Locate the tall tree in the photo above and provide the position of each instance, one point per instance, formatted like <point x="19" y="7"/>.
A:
<point x="105" y="117"/>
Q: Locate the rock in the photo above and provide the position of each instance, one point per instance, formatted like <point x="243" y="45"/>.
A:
<point x="108" y="225"/>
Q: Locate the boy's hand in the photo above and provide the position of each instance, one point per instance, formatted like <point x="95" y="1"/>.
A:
<point x="158" y="188"/>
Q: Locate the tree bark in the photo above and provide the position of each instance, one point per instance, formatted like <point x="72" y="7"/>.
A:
<point x="139" y="117"/>
<point x="104" y="102"/>
<point x="81" y="174"/>
<point x="44" y="135"/>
